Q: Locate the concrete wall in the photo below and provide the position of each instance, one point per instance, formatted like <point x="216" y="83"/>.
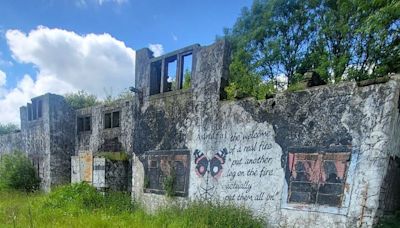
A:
<point x="10" y="142"/>
<point x="321" y="157"/>
<point x="252" y="153"/>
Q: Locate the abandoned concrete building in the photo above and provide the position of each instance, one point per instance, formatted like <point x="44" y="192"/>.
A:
<point x="326" y="156"/>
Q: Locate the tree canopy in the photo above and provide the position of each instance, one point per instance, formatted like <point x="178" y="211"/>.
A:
<point x="7" y="128"/>
<point x="81" y="99"/>
<point x="347" y="39"/>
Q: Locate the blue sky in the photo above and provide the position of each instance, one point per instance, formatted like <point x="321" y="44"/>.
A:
<point x="58" y="45"/>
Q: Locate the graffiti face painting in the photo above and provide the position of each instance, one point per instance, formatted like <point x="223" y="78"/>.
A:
<point x="213" y="166"/>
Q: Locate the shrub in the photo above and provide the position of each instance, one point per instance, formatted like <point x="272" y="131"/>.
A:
<point x="75" y="196"/>
<point x="79" y="197"/>
<point x="17" y="172"/>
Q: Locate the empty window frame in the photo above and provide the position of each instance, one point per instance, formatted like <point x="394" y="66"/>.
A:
<point x="170" y="80"/>
<point x="171" y="73"/>
<point x="35" y="110"/>
<point x="84" y="123"/>
<point x="155" y="77"/>
<point x="186" y="71"/>
<point x="317" y="178"/>
<point x="111" y="120"/>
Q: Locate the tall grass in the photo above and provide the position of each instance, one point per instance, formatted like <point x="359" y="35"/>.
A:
<point x="79" y="205"/>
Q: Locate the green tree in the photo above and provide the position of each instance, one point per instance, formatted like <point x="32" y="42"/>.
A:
<point x="353" y="38"/>
<point x="7" y="128"/>
<point x="81" y="99"/>
<point x="187" y="79"/>
<point x="270" y="39"/>
<point x="17" y="172"/>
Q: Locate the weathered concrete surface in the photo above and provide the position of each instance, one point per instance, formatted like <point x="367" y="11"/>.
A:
<point x="320" y="157"/>
<point x="10" y="143"/>
<point x="240" y="150"/>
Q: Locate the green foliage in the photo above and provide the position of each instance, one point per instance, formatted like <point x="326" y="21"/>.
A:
<point x="17" y="172"/>
<point x="169" y="184"/>
<point x="8" y="128"/>
<point x="205" y="214"/>
<point x="80" y="197"/>
<point x="392" y="221"/>
<point x="146" y="182"/>
<point x="124" y="95"/>
<point x="357" y="39"/>
<point x="115" y="156"/>
<point x="74" y="197"/>
<point x="187" y="79"/>
<point x="80" y="206"/>
<point x="296" y="87"/>
<point x="81" y="99"/>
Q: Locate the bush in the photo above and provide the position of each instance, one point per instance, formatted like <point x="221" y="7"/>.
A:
<point x="81" y="196"/>
<point x="17" y="172"/>
<point x="206" y="214"/>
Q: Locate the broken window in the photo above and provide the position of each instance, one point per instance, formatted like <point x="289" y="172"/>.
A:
<point x="40" y="106"/>
<point x="162" y="164"/>
<point x="317" y="177"/>
<point x="186" y="71"/>
<point x="111" y="120"/>
<point x="84" y="123"/>
<point x="155" y="77"/>
<point x="29" y="112"/>
<point x="173" y="72"/>
<point x="115" y="118"/>
<point x="87" y="123"/>
<point x="170" y="80"/>
<point x="107" y="120"/>
<point x="34" y="110"/>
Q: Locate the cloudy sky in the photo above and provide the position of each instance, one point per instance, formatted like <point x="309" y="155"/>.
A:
<point x="61" y="46"/>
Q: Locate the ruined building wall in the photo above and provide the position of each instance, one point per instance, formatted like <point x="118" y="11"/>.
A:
<point x="313" y="158"/>
<point x="36" y="137"/>
<point x="10" y="143"/>
<point x="62" y="135"/>
<point x="98" y="139"/>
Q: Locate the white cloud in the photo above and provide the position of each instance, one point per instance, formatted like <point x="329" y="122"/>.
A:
<point x="3" y="78"/>
<point x="84" y="3"/>
<point x="157" y="49"/>
<point x="119" y="2"/>
<point x="66" y="62"/>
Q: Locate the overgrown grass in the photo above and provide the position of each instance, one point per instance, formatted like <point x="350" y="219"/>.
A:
<point x="80" y="205"/>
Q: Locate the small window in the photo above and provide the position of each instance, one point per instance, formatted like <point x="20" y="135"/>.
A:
<point x="80" y="124"/>
<point x="84" y="123"/>
<point x="115" y="119"/>
<point x="111" y="120"/>
<point x="107" y="120"/>
<point x="170" y="80"/>
<point x="155" y="77"/>
<point x="40" y="106"/>
<point x="87" y="123"/>
<point x="29" y="112"/>
<point x="186" y="71"/>
<point x="34" y="110"/>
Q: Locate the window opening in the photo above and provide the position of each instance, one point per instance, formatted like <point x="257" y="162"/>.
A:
<point x="187" y="71"/>
<point x="170" y="80"/>
<point x="107" y="120"/>
<point x="115" y="118"/>
<point x="40" y="106"/>
<point x="111" y="120"/>
<point x="155" y="77"/>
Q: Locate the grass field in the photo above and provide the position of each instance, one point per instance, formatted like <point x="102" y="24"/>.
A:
<point x="81" y="206"/>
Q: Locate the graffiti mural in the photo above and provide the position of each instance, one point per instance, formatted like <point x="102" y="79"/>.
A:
<point x="209" y="168"/>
